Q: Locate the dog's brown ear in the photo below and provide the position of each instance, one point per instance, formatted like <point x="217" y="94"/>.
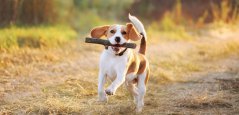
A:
<point x="132" y="32"/>
<point x="98" y="32"/>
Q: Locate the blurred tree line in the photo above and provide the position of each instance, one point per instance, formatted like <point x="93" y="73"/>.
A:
<point x="31" y="12"/>
<point x="194" y="10"/>
<point x="26" y="11"/>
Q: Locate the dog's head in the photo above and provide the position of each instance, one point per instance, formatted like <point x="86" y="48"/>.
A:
<point x="117" y="35"/>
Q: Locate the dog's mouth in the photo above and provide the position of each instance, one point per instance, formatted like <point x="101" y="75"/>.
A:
<point x="116" y="47"/>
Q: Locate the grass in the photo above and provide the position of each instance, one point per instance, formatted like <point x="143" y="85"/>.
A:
<point x="220" y="49"/>
<point x="185" y="57"/>
<point x="64" y="80"/>
<point x="35" y="36"/>
<point x="168" y="30"/>
<point x="204" y="43"/>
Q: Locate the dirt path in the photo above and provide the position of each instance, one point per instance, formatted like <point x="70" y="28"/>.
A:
<point x="215" y="92"/>
<point x="64" y="80"/>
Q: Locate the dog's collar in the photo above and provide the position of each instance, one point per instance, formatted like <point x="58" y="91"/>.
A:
<point x="121" y="53"/>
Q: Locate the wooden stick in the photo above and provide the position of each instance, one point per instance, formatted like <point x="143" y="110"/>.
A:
<point x="107" y="43"/>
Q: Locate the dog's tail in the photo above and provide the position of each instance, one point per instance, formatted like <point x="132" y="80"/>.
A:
<point x="140" y="28"/>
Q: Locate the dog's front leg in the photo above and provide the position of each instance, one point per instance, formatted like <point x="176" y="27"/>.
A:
<point x="101" y="82"/>
<point x="120" y="79"/>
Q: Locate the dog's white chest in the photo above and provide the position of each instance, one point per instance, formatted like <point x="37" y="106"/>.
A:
<point x="110" y="70"/>
<point x="111" y="65"/>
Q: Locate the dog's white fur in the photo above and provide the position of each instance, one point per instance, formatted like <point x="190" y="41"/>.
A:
<point x="115" y="68"/>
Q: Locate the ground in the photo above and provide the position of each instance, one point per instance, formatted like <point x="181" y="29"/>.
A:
<point x="187" y="77"/>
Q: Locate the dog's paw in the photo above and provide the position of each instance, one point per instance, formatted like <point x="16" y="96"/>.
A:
<point x="139" y="109"/>
<point x="109" y="92"/>
<point x="102" y="97"/>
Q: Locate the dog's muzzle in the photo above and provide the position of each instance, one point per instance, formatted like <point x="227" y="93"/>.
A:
<point x="116" y="48"/>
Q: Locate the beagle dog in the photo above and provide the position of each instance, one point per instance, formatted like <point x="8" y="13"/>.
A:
<point x="122" y="65"/>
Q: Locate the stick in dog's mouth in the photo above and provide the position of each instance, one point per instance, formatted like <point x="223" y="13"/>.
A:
<point x="118" y="45"/>
<point x="107" y="43"/>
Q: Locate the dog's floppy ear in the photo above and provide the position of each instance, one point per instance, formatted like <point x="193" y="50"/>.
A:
<point x="98" y="32"/>
<point x="132" y="32"/>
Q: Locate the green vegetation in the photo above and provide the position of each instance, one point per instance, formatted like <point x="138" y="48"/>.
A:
<point x="88" y="14"/>
<point x="25" y="25"/>
<point x="170" y="24"/>
<point x="35" y="36"/>
<point x="167" y="29"/>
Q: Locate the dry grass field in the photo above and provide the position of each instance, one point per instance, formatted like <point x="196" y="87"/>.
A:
<point x="198" y="76"/>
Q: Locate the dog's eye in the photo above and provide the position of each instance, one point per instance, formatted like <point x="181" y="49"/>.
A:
<point x="123" y="33"/>
<point x="112" y="31"/>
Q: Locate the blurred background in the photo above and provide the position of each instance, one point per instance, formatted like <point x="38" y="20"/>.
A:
<point x="62" y="20"/>
<point x="46" y="68"/>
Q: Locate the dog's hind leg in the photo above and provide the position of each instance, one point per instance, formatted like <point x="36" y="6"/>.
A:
<point x="133" y="91"/>
<point x="141" y="92"/>
<point x="130" y="85"/>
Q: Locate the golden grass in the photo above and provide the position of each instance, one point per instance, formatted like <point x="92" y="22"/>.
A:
<point x="179" y="63"/>
<point x="71" y="86"/>
<point x="218" y="50"/>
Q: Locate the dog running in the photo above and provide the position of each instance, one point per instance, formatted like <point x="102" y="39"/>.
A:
<point x="123" y="65"/>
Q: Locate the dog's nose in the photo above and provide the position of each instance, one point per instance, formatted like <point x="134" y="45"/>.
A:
<point x="117" y="39"/>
